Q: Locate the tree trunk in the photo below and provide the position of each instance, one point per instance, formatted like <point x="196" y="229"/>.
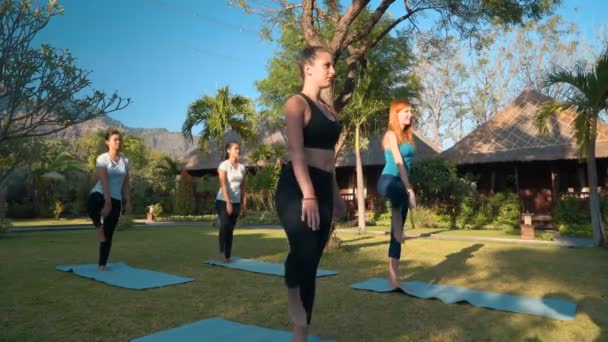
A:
<point x="594" y="198"/>
<point x="360" y="185"/>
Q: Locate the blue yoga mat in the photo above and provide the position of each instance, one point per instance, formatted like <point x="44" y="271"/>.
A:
<point x="553" y="308"/>
<point x="261" y="267"/>
<point x="123" y="275"/>
<point x="218" y="329"/>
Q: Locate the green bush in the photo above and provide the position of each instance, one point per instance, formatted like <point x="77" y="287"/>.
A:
<point x="500" y="211"/>
<point x="505" y="208"/>
<point x="571" y="210"/>
<point x="576" y="230"/>
<point x="258" y="218"/>
<point x="438" y="186"/>
<point x="546" y="236"/>
<point x="58" y="209"/>
<point x="156" y="209"/>
<point x="184" y="197"/>
<point x="188" y="218"/>
<point x="5" y="224"/>
<point x="125" y="222"/>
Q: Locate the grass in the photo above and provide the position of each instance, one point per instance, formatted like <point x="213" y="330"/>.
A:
<point x="507" y="234"/>
<point x="41" y="303"/>
<point x="26" y="223"/>
<point x="48" y="222"/>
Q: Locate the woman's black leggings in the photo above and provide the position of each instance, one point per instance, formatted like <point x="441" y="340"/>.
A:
<point x="227" y="223"/>
<point x="95" y="206"/>
<point x="392" y="188"/>
<point x="305" y="245"/>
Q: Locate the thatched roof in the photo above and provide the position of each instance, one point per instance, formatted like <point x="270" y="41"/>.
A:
<point x="511" y="136"/>
<point x="197" y="160"/>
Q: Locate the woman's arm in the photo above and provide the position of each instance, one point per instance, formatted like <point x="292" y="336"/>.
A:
<point x="243" y="190"/>
<point x="394" y="147"/>
<point x="223" y="183"/>
<point x="126" y="191"/>
<point x="295" y="111"/>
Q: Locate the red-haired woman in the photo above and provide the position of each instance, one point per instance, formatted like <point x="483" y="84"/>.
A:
<point x="394" y="183"/>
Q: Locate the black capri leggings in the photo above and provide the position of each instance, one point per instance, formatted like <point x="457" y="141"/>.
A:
<point x="95" y="206"/>
<point x="392" y="188"/>
<point x="227" y="223"/>
<point x="305" y="245"/>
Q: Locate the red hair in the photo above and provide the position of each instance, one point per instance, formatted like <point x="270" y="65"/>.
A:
<point x="405" y="134"/>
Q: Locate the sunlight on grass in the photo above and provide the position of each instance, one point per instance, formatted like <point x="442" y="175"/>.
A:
<point x="45" y="304"/>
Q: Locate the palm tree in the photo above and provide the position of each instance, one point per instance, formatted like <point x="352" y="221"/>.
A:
<point x="588" y="96"/>
<point x="218" y="115"/>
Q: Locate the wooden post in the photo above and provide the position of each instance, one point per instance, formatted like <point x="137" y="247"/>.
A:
<point x="516" y="180"/>
<point x="553" y="186"/>
<point x="492" y="181"/>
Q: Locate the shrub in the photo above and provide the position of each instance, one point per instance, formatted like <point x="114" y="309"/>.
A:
<point x="259" y="217"/>
<point x="58" y="209"/>
<point x="5" y="224"/>
<point x="576" y="230"/>
<point x="125" y="222"/>
<point x="184" y="197"/>
<point x="438" y="186"/>
<point x="156" y="209"/>
<point x="571" y="210"/>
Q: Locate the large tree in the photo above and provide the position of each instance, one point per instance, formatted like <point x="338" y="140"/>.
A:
<point x="587" y="94"/>
<point x="352" y="32"/>
<point x="42" y="91"/>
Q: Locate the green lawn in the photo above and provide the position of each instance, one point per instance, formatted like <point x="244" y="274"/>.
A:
<point x="40" y="303"/>
<point x="26" y="223"/>
<point x="49" y="222"/>
<point x="507" y="234"/>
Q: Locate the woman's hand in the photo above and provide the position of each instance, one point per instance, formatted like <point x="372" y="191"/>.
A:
<point x="229" y="208"/>
<point x="107" y="207"/>
<point x="310" y="213"/>
<point x="411" y="198"/>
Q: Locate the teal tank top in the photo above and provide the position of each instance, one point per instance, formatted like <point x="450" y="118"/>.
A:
<point x="407" y="153"/>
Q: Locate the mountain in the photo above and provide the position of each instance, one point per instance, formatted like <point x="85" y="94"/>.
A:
<point x="172" y="143"/>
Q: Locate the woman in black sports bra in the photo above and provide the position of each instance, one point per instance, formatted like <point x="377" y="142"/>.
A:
<point x="307" y="192"/>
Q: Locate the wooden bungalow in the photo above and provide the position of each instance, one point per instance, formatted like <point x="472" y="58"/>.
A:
<point x="507" y="153"/>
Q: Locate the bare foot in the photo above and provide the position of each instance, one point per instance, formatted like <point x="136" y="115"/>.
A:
<point x="300" y="333"/>
<point x="224" y="259"/>
<point x="296" y="309"/>
<point x="100" y="235"/>
<point x="103" y="268"/>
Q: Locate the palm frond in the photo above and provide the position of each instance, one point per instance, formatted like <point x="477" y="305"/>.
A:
<point x="543" y="115"/>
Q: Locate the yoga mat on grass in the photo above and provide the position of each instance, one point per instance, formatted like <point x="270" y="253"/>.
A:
<point x="261" y="267"/>
<point x="552" y="308"/>
<point x="122" y="275"/>
<point x="218" y="329"/>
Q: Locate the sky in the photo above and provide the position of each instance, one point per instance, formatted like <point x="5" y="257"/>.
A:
<point x="164" y="54"/>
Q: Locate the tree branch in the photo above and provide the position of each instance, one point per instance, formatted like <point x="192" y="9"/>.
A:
<point x="370" y="24"/>
<point x="307" y="24"/>
<point x="338" y="42"/>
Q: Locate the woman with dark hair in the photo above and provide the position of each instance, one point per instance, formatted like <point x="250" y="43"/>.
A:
<point x="307" y="192"/>
<point x="229" y="197"/>
<point x="394" y="183"/>
<point x="110" y="194"/>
